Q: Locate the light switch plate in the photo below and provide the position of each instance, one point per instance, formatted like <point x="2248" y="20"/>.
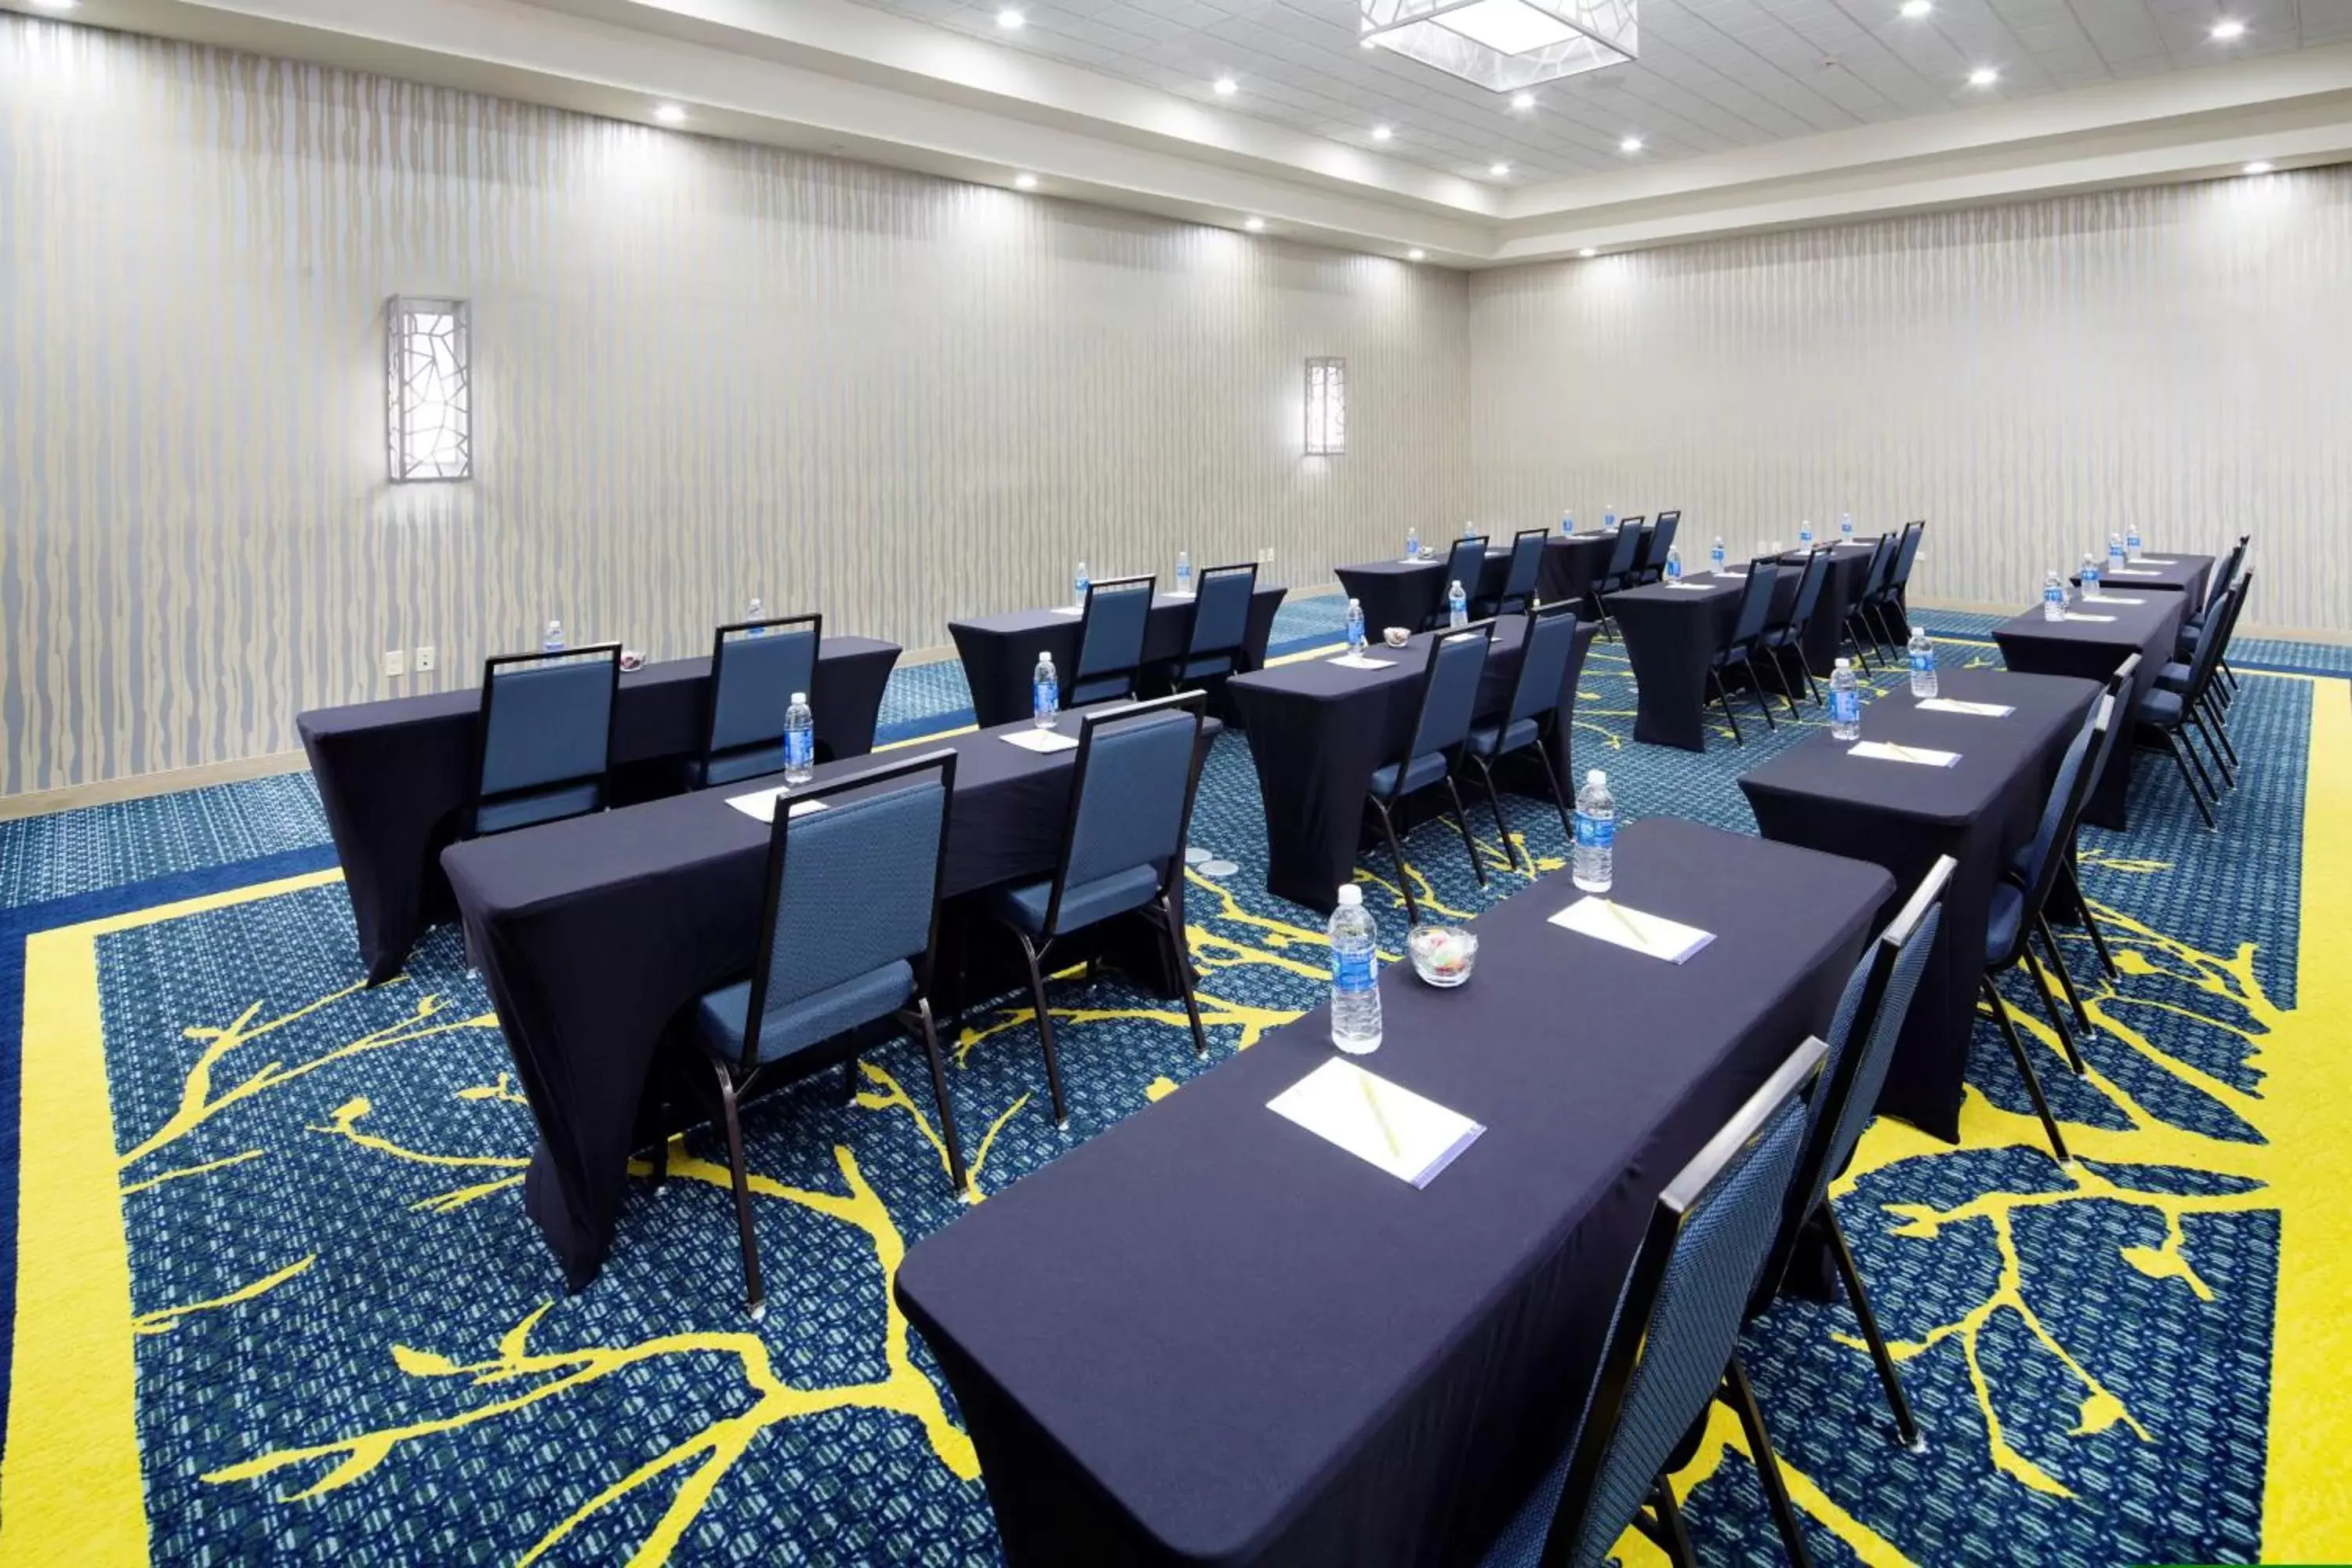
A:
<point x="396" y="663"/>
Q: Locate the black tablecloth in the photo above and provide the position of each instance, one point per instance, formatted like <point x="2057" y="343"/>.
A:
<point x="1405" y="593"/>
<point x="1902" y="816"/>
<point x="1208" y="1336"/>
<point x="1571" y="564"/>
<point x="592" y="934"/>
<point x="1849" y="569"/>
<point x="1671" y="634"/>
<point x="393" y="776"/>
<point x="999" y="652"/>
<point x="2092" y="650"/>
<point x="1318" y="731"/>
<point x="2183" y="574"/>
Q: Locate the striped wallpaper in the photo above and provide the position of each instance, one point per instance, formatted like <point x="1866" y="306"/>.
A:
<point x="2028" y="377"/>
<point x="704" y="370"/>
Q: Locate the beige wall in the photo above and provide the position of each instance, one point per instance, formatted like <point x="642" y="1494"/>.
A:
<point x="2026" y="377"/>
<point x="703" y="370"/>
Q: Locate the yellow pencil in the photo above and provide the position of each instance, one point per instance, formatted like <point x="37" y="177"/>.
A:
<point x="1627" y="922"/>
<point x="1364" y="1082"/>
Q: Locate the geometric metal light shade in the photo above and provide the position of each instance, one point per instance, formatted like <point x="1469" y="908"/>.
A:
<point x="428" y="371"/>
<point x="1506" y="44"/>
<point x="1326" y="407"/>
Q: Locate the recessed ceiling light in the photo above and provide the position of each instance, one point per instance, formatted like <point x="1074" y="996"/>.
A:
<point x="1254" y="224"/>
<point x="1915" y="9"/>
<point x="1588" y="253"/>
<point x="1026" y="182"/>
<point x="669" y="114"/>
<point x="1630" y="144"/>
<point x="1226" y="86"/>
<point x="1499" y="170"/>
<point x="1983" y="76"/>
<point x="1009" y="19"/>
<point x="1416" y="254"/>
<point x="2259" y="166"/>
<point x="1523" y="100"/>
<point x="1382" y="133"/>
<point x="2226" y="30"/>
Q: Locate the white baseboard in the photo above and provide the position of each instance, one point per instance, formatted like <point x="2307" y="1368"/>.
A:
<point x="137" y="786"/>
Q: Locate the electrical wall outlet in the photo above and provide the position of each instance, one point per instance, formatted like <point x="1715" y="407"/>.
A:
<point x="424" y="660"/>
<point x="396" y="663"/>
<point x="1265" y="555"/>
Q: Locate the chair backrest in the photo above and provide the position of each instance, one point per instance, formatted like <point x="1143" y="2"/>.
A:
<point x="2045" y="853"/>
<point x="755" y="668"/>
<point x="1628" y="546"/>
<point x="1131" y="790"/>
<point x="1220" y="609"/>
<point x="1110" y="637"/>
<point x="1546" y="644"/>
<point x="1906" y="552"/>
<point x="1661" y="539"/>
<point x="853" y="887"/>
<point x="547" y="718"/>
<point x="1449" y="690"/>
<point x="1679" y="1311"/>
<point x="1755" y="600"/>
<point x="2215" y="642"/>
<point x="1464" y="562"/>
<point x="2226" y="575"/>
<point x="1882" y="565"/>
<point x="1527" y="563"/>
<point x="1809" y="592"/>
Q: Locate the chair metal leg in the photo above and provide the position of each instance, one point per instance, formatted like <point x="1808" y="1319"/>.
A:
<point x="2180" y="739"/>
<point x="1906" y="1429"/>
<point x="1768" y="1463"/>
<point x="1675" y="1540"/>
<point x="1396" y="853"/>
<point x="1723" y="695"/>
<point x="2025" y="1070"/>
<point x="1755" y="682"/>
<point x="2197" y="722"/>
<point x="1183" y="963"/>
<point x="2031" y="962"/>
<point x="1045" y="1027"/>
<point x="1558" y="797"/>
<point x="1462" y="821"/>
<point x="2090" y="921"/>
<point x="957" y="1175"/>
<point x="1502" y="823"/>
<point x="2066" y="975"/>
<point x="755" y="1299"/>
<point x="1782" y="669"/>
<point x="2219" y="732"/>
<point x="2202" y="809"/>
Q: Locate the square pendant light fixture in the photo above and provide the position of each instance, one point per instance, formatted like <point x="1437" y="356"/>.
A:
<point x="428" y="377"/>
<point x="1326" y="407"/>
<point x="1504" y="45"/>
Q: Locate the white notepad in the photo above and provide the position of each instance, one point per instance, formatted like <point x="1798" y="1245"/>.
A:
<point x="760" y="805"/>
<point x="2127" y="572"/>
<point x="2109" y="599"/>
<point x="1655" y="935"/>
<point x="1887" y="752"/>
<point x="1416" y="560"/>
<point x="1069" y="609"/>
<point x="1694" y="587"/>
<point x="1175" y="595"/>
<point x="1358" y="661"/>
<point x="2077" y="615"/>
<point x="2152" y="560"/>
<point x="1041" y="740"/>
<point x="1974" y="710"/>
<point x="1409" y="1136"/>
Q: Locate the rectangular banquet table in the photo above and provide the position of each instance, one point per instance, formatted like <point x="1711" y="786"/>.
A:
<point x="1671" y="635"/>
<point x="1572" y="562"/>
<point x="393" y="776"/>
<point x="1902" y="816"/>
<point x="594" y="934"/>
<point x="1402" y="592"/>
<point x="1207" y="1336"/>
<point x="2091" y="650"/>
<point x="1849" y="570"/>
<point x="1318" y="731"/>
<point x="999" y="652"/>
<point x="2168" y="571"/>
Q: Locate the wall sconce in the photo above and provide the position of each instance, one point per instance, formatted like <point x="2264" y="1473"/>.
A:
<point x="1326" y="407"/>
<point x="428" y="372"/>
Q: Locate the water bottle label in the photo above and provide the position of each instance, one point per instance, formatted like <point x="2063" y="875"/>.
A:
<point x="1595" y="832"/>
<point x="1045" y="695"/>
<point x="1353" y="970"/>
<point x="1845" y="706"/>
<point x="1922" y="662"/>
<point x="800" y="748"/>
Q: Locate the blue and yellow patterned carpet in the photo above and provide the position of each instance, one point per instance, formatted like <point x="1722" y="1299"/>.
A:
<point x="274" y="1296"/>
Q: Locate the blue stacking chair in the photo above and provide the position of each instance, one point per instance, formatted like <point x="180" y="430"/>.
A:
<point x="1110" y="640"/>
<point x="1546" y="646"/>
<point x="1790" y="635"/>
<point x="848" y="928"/>
<point x="1673" y="1346"/>
<point x="755" y="668"/>
<point x="2192" y="624"/>
<point x="1857" y="629"/>
<point x="1463" y="564"/>
<point x="1625" y="557"/>
<point x="1861" y="1038"/>
<point x="546" y="737"/>
<point x="1881" y="600"/>
<point x="1449" y="702"/>
<point x="1131" y="792"/>
<point x="2018" y="899"/>
<point x="1212" y="649"/>
<point x="1521" y="575"/>
<point x="2118" y="686"/>
<point x="1746" y="639"/>
<point x="1654" y="555"/>
<point x="2183" y="702"/>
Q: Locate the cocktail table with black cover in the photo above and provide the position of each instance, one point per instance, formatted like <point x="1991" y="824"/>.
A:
<point x="393" y="776"/>
<point x="1902" y="816"/>
<point x="999" y="652"/>
<point x="2093" y="650"/>
<point x="2166" y="571"/>
<point x="594" y="934"/>
<point x="1209" y="1336"/>
<point x="1402" y="592"/>
<point x="1318" y="731"/>
<point x="1670" y="634"/>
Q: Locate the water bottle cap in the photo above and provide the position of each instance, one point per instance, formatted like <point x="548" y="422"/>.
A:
<point x="800" y="696"/>
<point x="1595" y="779"/>
<point x="1844" y="664"/>
<point x="1044" y="659"/>
<point x="1355" y="606"/>
<point x="1350" y="896"/>
<point x="1456" y="587"/>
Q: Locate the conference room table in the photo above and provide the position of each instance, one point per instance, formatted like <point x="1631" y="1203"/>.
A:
<point x="1673" y="632"/>
<point x="1841" y="588"/>
<point x="596" y="933"/>
<point x="1902" y="816"/>
<point x="1318" y="730"/>
<point x="1402" y="592"/>
<point x="2173" y="574"/>
<point x="1207" y="1335"/>
<point x="394" y="776"/>
<point x="999" y="652"/>
<point x="2095" y="639"/>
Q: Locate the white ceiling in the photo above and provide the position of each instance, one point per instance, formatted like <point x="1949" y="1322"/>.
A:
<point x="1713" y="75"/>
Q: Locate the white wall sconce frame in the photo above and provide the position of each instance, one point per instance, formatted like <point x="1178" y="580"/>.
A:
<point x="428" y="371"/>
<point x="1326" y="406"/>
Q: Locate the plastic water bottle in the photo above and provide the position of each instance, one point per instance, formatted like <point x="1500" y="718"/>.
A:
<point x="1922" y="664"/>
<point x="553" y="641"/>
<point x="2053" y="598"/>
<point x="1567" y="522"/>
<point x="1413" y="544"/>
<point x="755" y="614"/>
<point x="1356" y="627"/>
<point x="800" y="741"/>
<point x="2115" y="557"/>
<point x="1845" y="528"/>
<point x="2089" y="575"/>
<point x="1354" y="974"/>
<point x="1596" y="833"/>
<point x="1044" y="692"/>
<point x="1716" y="555"/>
<point x="1457" y="605"/>
<point x="1845" y="702"/>
<point x="2131" y="542"/>
<point x="1079" y="584"/>
<point x="1674" y="562"/>
<point x="1183" y="570"/>
<point x="1805" y="534"/>
<point x="1469" y="529"/>
<point x="1607" y="519"/>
